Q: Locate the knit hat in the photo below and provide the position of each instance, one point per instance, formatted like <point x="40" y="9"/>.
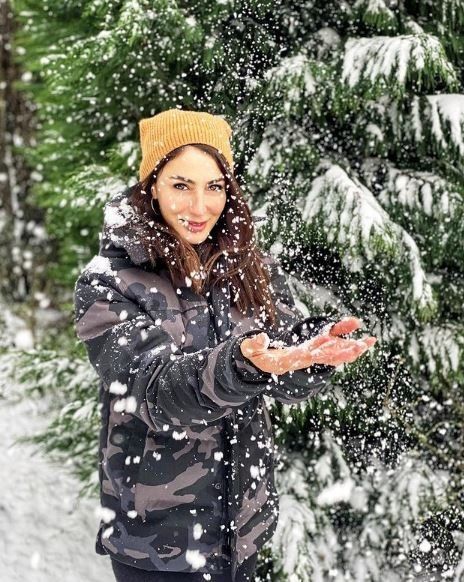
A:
<point x="170" y="129"/>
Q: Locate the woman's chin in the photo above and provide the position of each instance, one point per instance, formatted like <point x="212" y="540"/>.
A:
<point x="198" y="240"/>
<point x="194" y="238"/>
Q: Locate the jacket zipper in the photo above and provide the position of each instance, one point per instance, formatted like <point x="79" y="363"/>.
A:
<point x="226" y="480"/>
<point x="227" y="447"/>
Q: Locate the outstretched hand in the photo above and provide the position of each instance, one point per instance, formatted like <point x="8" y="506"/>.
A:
<point x="326" y="348"/>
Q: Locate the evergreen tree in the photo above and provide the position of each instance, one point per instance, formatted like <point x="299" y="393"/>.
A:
<point x="22" y="237"/>
<point x="348" y="136"/>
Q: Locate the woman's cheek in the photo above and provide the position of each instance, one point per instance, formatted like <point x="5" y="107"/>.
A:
<point x="220" y="206"/>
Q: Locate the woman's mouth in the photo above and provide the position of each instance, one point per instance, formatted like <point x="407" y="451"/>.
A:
<point x="193" y="226"/>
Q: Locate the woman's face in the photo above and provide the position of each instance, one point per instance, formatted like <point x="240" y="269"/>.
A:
<point x="190" y="190"/>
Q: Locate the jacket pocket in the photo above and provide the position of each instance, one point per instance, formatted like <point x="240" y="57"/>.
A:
<point x="132" y="445"/>
<point x="157" y="468"/>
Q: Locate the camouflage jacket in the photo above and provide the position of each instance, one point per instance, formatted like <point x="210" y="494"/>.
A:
<point x="186" y="451"/>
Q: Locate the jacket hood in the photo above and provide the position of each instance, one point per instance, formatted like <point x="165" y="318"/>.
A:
<point x="123" y="229"/>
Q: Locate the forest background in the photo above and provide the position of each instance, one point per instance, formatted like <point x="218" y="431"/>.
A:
<point x="348" y="140"/>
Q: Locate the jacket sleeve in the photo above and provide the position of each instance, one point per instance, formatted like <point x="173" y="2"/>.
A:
<point x="293" y="328"/>
<point x="136" y="356"/>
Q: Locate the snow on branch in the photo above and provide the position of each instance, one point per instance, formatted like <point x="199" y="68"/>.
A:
<point x="375" y="12"/>
<point x="137" y="18"/>
<point x="302" y="530"/>
<point x="294" y="70"/>
<point x="426" y="192"/>
<point x="63" y="386"/>
<point x="421" y="289"/>
<point x="91" y="187"/>
<point x="396" y="58"/>
<point x="294" y="80"/>
<point x="307" y="545"/>
<point x="441" y="348"/>
<point x="449" y="12"/>
<point x="283" y="143"/>
<point x="349" y="211"/>
<point x="442" y="116"/>
<point x="433" y="122"/>
<point x="353" y="218"/>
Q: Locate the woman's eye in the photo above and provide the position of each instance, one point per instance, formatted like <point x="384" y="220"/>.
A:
<point x="218" y="187"/>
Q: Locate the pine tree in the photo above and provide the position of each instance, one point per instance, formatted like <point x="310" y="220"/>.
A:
<point x="348" y="124"/>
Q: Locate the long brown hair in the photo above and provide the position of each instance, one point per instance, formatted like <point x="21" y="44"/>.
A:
<point x="233" y="236"/>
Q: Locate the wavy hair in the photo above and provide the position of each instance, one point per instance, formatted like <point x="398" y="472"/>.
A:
<point x="232" y="237"/>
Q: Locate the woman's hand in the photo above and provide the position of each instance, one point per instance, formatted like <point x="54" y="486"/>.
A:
<point x="325" y="348"/>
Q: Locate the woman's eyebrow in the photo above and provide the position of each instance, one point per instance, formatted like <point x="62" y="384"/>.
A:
<point x="221" y="179"/>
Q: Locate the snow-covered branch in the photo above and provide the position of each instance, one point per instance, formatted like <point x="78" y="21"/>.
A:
<point x="396" y="58"/>
<point x="354" y="220"/>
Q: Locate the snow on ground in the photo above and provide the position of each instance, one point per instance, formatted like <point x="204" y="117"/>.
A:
<point x="46" y="533"/>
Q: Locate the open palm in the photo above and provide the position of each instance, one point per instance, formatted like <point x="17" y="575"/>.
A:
<point x="326" y="348"/>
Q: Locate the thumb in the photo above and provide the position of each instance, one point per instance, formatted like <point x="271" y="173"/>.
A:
<point x="261" y="341"/>
<point x="255" y="344"/>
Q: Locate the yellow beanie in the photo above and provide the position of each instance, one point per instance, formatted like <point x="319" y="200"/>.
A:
<point x="170" y="129"/>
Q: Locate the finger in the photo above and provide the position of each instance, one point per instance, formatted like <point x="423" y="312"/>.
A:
<point x="333" y="352"/>
<point x="367" y="341"/>
<point x="262" y="341"/>
<point x="291" y="358"/>
<point x="346" y="343"/>
<point x="346" y="325"/>
<point x="329" y="347"/>
<point x="340" y="355"/>
<point x="353" y="354"/>
<point x="338" y="343"/>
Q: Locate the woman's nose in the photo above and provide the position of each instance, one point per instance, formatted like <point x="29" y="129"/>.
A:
<point x="198" y="205"/>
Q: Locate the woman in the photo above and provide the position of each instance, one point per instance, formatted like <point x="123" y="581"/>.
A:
<point x="177" y="312"/>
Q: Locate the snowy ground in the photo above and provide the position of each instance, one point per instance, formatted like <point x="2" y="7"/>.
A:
<point x="46" y="533"/>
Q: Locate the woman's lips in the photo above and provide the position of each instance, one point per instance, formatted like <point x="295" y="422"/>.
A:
<point x="196" y="226"/>
<point x="191" y="225"/>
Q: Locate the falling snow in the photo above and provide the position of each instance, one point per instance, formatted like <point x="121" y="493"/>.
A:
<point x="348" y="132"/>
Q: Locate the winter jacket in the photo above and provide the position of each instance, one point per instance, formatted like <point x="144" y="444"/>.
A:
<point x="186" y="451"/>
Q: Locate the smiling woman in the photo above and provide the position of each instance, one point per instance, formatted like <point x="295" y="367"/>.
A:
<point x="177" y="312"/>
<point x="194" y="213"/>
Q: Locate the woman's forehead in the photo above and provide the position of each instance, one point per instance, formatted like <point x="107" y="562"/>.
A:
<point x="194" y="160"/>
